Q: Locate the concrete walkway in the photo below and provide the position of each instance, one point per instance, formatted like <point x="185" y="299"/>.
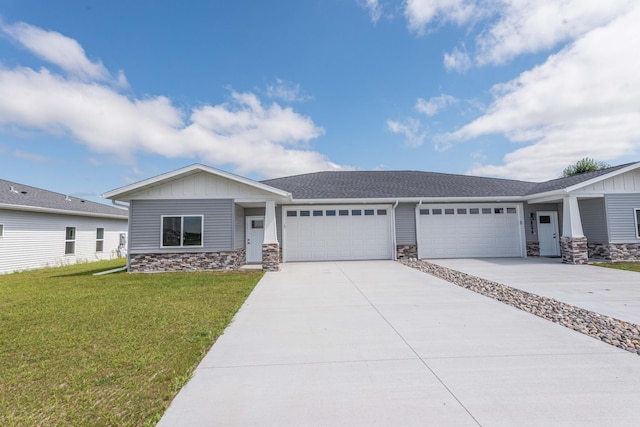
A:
<point x="377" y="343"/>
<point x="607" y="291"/>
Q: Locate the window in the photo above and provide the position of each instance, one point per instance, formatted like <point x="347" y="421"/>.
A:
<point x="637" y="222"/>
<point x="99" y="239"/>
<point x="368" y="212"/>
<point x="1" y="230"/>
<point x="356" y="212"/>
<point x="545" y="219"/>
<point x="292" y="213"/>
<point x="70" y="241"/>
<point x="331" y="213"/>
<point x="474" y="211"/>
<point x="180" y="231"/>
<point x="436" y="211"/>
<point x="343" y="212"/>
<point x="511" y="210"/>
<point x="462" y="211"/>
<point x="448" y="211"/>
<point x="305" y="213"/>
<point x="382" y="211"/>
<point x="317" y="213"/>
<point x="486" y="210"/>
<point x="257" y="224"/>
<point x="424" y="211"/>
<point x="498" y="210"/>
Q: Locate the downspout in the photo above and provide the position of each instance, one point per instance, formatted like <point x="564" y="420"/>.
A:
<point x="417" y="214"/>
<point x="395" y="245"/>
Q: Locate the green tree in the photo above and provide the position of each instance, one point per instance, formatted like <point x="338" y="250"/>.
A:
<point x="583" y="166"/>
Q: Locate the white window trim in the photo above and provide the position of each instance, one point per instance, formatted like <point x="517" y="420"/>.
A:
<point x="75" y="238"/>
<point x="182" y="217"/>
<point x="99" y="240"/>
<point x="637" y="223"/>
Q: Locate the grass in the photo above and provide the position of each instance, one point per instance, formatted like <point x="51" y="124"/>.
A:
<point x="630" y="266"/>
<point x="108" y="350"/>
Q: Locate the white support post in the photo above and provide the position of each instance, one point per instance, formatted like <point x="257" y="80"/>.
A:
<point x="571" y="222"/>
<point x="270" y="230"/>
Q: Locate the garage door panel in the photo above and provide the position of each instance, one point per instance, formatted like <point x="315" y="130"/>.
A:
<point x="470" y="231"/>
<point x="340" y="233"/>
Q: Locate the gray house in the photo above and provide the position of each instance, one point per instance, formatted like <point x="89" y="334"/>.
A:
<point x="40" y="228"/>
<point x="199" y="217"/>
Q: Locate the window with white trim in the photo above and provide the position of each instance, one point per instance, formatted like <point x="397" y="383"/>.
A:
<point x="70" y="241"/>
<point x="182" y="231"/>
<point x="99" y="239"/>
<point x="637" y="210"/>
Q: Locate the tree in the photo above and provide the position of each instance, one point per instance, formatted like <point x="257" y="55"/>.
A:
<point x="583" y="166"/>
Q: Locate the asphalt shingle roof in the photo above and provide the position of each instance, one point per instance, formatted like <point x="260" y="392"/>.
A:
<point x="560" y="183"/>
<point x="392" y="184"/>
<point x="24" y="195"/>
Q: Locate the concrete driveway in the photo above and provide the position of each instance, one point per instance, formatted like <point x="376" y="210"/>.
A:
<point x="614" y="293"/>
<point x="378" y="343"/>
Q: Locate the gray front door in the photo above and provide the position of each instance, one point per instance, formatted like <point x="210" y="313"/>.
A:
<point x="548" y="235"/>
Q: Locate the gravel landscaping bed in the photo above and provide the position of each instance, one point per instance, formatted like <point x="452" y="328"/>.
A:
<point x="607" y="329"/>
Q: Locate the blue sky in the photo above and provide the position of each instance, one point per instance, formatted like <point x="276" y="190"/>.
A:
<point x="95" y="95"/>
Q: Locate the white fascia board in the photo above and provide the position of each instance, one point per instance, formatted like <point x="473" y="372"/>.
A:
<point x="425" y="200"/>
<point x="118" y="192"/>
<point x="603" y="177"/>
<point x="123" y="217"/>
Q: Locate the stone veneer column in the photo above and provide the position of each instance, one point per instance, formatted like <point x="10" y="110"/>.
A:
<point x="533" y="248"/>
<point x="271" y="256"/>
<point x="406" y="251"/>
<point x="574" y="250"/>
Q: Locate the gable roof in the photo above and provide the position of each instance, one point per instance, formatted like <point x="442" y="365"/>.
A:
<point x="123" y="193"/>
<point x="24" y="197"/>
<point x="576" y="180"/>
<point x="396" y="184"/>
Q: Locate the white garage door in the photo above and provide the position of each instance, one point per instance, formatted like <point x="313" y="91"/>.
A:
<point x="327" y="233"/>
<point x="469" y="231"/>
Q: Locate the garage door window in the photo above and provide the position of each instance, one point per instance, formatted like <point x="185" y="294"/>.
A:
<point x="368" y="212"/>
<point x="331" y="213"/>
<point x="486" y="210"/>
<point x="305" y="213"/>
<point x="356" y="212"/>
<point x="424" y="211"/>
<point x="344" y="212"/>
<point x="474" y="211"/>
<point x="437" y="211"/>
<point x="292" y="213"/>
<point x="382" y="211"/>
<point x="317" y="213"/>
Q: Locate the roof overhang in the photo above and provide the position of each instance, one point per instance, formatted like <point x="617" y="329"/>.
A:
<point x="123" y="193"/>
<point x="424" y="200"/>
<point x="124" y="216"/>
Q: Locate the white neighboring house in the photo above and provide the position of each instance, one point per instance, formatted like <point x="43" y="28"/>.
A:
<point x="40" y="228"/>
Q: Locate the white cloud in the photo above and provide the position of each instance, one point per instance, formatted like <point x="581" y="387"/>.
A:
<point x="435" y="104"/>
<point x="373" y="7"/>
<point x="581" y="102"/>
<point x="286" y="91"/>
<point x="253" y="137"/>
<point x="35" y="158"/>
<point x="457" y="60"/>
<point x="532" y="26"/>
<point x="421" y="13"/>
<point x="59" y="50"/>
<point x="410" y="129"/>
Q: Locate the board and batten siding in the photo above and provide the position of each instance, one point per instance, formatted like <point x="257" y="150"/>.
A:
<point x="406" y="224"/>
<point x="594" y="223"/>
<point x="621" y="217"/>
<point x="145" y="227"/>
<point x="35" y="240"/>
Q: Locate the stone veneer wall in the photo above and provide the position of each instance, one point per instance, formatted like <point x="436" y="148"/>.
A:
<point x="407" y="251"/>
<point x="186" y="261"/>
<point x="533" y="248"/>
<point x="615" y="251"/>
<point x="271" y="256"/>
<point x="574" y="250"/>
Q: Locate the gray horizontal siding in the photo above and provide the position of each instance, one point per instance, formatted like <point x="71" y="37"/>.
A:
<point x="620" y="217"/>
<point x="239" y="236"/>
<point x="406" y="224"/>
<point x="593" y="218"/>
<point x="531" y="226"/>
<point x="146" y="217"/>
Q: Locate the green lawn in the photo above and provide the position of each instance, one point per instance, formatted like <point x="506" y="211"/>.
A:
<point x="630" y="266"/>
<point x="112" y="350"/>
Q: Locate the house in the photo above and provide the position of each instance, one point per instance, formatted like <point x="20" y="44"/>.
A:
<point x="40" y="228"/>
<point x="199" y="217"/>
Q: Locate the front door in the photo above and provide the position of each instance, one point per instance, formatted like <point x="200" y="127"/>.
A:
<point x="255" y="237"/>
<point x="548" y="233"/>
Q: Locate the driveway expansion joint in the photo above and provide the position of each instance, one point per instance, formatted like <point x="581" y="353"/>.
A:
<point x="615" y="332"/>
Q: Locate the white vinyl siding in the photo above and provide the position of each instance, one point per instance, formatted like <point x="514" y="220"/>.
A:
<point x="470" y="231"/>
<point x="33" y="240"/>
